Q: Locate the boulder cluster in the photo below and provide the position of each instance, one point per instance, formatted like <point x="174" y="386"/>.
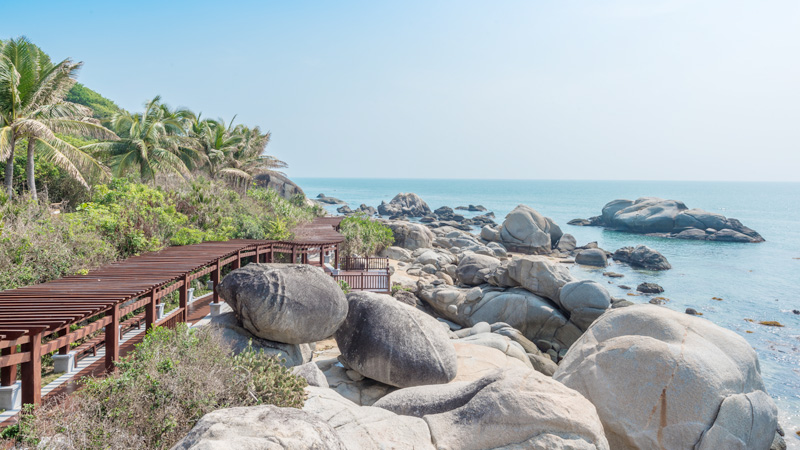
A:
<point x="669" y="218"/>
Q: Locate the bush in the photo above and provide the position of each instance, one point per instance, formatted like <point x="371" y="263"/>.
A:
<point x="364" y="236"/>
<point x="159" y="394"/>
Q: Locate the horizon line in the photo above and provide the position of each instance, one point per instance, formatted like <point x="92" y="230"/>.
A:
<point x="545" y="179"/>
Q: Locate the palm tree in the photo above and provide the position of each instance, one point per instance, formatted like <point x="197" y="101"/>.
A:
<point x="151" y="143"/>
<point x="32" y="106"/>
<point x="216" y="144"/>
<point x="250" y="158"/>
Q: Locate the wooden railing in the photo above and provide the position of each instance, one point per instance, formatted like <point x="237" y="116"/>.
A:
<point x="363" y="263"/>
<point x="365" y="281"/>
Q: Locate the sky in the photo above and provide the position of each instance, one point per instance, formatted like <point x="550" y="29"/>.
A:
<point x="502" y="89"/>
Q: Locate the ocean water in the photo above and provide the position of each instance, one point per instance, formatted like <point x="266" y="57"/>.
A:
<point x="755" y="281"/>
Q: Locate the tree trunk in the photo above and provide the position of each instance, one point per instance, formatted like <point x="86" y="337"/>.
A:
<point x="29" y="168"/>
<point x="10" y="171"/>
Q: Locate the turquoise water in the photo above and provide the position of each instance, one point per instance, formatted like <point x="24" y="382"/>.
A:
<point x="755" y="281"/>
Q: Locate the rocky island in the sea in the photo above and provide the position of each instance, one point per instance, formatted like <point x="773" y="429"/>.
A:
<point x="669" y="218"/>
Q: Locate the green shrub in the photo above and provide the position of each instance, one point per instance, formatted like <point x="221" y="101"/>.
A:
<point x="344" y="286"/>
<point x="157" y="396"/>
<point x="364" y="236"/>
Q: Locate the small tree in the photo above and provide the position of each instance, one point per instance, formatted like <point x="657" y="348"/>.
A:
<point x="364" y="236"/>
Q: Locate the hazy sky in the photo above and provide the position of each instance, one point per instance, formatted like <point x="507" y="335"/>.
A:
<point x="627" y="89"/>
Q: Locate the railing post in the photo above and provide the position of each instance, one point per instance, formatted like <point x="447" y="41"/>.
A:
<point x="150" y="311"/>
<point x="336" y="257"/>
<point x="32" y="371"/>
<point x="112" y="338"/>
<point x="215" y="274"/>
<point x="237" y="263"/>
<point x="183" y="297"/>
<point x="8" y="375"/>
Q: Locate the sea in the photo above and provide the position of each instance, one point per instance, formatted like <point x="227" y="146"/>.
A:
<point x="759" y="282"/>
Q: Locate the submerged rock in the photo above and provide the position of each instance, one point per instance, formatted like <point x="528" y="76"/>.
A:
<point x="291" y="303"/>
<point x="662" y="379"/>
<point x="649" y="288"/>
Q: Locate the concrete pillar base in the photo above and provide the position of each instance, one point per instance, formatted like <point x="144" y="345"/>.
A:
<point x="216" y="308"/>
<point x="159" y="311"/>
<point x="190" y="295"/>
<point x="210" y="285"/>
<point x="11" y="396"/>
<point x="64" y="363"/>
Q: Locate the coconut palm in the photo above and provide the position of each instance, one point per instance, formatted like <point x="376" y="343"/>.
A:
<point x="250" y="158"/>
<point x="150" y="143"/>
<point x="32" y="106"/>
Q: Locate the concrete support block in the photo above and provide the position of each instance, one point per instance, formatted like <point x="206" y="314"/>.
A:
<point x="210" y="285"/>
<point x="190" y="295"/>
<point x="159" y="311"/>
<point x="11" y="396"/>
<point x="64" y="363"/>
<point x="216" y="308"/>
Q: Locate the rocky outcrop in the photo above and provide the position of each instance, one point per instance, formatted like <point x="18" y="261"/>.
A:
<point x="473" y="268"/>
<point x="363" y="209"/>
<point x="538" y="274"/>
<point x="514" y="408"/>
<point x="394" y="343"/>
<point x="584" y="301"/>
<point x="670" y="218"/>
<point x="312" y="374"/>
<point x="642" y="257"/>
<point x="322" y="198"/>
<point x="525" y="230"/>
<point x="411" y="236"/>
<point x="264" y="426"/>
<point x="282" y="185"/>
<point x="291" y="303"/>
<point x="403" y="204"/>
<point x="592" y="257"/>
<point x="662" y="379"/>
<point x="396" y="253"/>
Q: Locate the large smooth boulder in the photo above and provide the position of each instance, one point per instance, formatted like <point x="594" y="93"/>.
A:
<point x="366" y="427"/>
<point x="261" y="427"/>
<point x="642" y="257"/>
<point x="411" y="236"/>
<point x="352" y="385"/>
<point x="585" y="301"/>
<point x="515" y="408"/>
<point x="240" y="339"/>
<point x="662" y="379"/>
<point x="477" y="361"/>
<point x="396" y="253"/>
<point x="472" y="268"/>
<point x="539" y="274"/>
<point x="285" y="187"/>
<point x="291" y="303"/>
<point x="592" y="257"/>
<point x="525" y="230"/>
<point x="406" y="205"/>
<point x="671" y="218"/>
<point x="394" y="343"/>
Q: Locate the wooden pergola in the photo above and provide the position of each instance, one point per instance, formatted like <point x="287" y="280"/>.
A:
<point x="40" y="319"/>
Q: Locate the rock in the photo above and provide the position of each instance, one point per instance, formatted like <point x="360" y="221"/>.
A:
<point x="526" y="231"/>
<point x="364" y="391"/>
<point x="476" y="361"/>
<point x="311" y="373"/>
<point x="692" y="312"/>
<point x="405" y="204"/>
<point x="366" y="427"/>
<point x="671" y="218"/>
<point x="585" y="301"/>
<point x="396" y="253"/>
<point x="613" y="275"/>
<point x="592" y="257"/>
<point x="643" y="257"/>
<point x="280" y="184"/>
<point x="649" y="288"/>
<point x="539" y="274"/>
<point x="322" y="198"/>
<point x="239" y="339"/>
<point x="291" y="303"/>
<point x="567" y="243"/>
<point x="260" y="427"/>
<point x="662" y="379"/>
<point x="406" y="297"/>
<point x="411" y="236"/>
<point x="513" y="408"/>
<point x="470" y="267"/>
<point x="436" y="257"/>
<point x="499" y="342"/>
<point x="394" y="343"/>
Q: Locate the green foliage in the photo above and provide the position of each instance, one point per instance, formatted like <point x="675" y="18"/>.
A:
<point x="364" y="236"/>
<point x="102" y="107"/>
<point x="344" y="286"/>
<point x="397" y="287"/>
<point x="157" y="396"/>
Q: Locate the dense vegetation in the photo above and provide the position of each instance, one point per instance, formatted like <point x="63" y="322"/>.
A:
<point x="87" y="182"/>
<point x="364" y="236"/>
<point x="156" y="397"/>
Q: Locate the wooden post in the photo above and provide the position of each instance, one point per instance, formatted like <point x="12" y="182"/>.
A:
<point x="150" y="311"/>
<point x="183" y="297"/>
<point x="215" y="274"/>
<point x="237" y="263"/>
<point x="336" y="256"/>
<point x="294" y="254"/>
<point x="112" y="338"/>
<point x="65" y="349"/>
<point x="322" y="256"/>
<point x="8" y="375"/>
<point x="32" y="371"/>
<point x="271" y="253"/>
